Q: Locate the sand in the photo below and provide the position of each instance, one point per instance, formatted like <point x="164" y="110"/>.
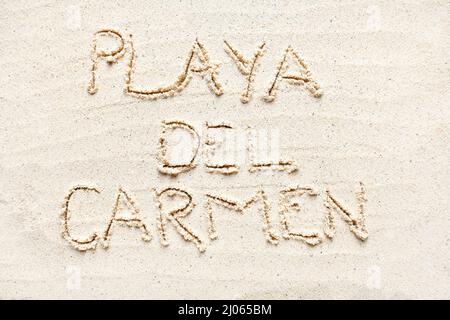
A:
<point x="362" y="133"/>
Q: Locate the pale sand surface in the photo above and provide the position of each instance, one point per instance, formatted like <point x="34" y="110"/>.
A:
<point x="383" y="120"/>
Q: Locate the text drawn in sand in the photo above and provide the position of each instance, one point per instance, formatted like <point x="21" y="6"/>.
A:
<point x="174" y="204"/>
<point x="199" y="63"/>
<point x="223" y="145"/>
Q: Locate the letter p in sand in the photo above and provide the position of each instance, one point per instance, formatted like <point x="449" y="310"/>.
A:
<point x="111" y="56"/>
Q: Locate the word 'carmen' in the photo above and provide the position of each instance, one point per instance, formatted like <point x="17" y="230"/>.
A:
<point x="199" y="63"/>
<point x="289" y="203"/>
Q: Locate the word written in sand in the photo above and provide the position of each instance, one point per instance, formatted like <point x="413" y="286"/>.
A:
<point x="175" y="204"/>
<point x="212" y="145"/>
<point x="198" y="63"/>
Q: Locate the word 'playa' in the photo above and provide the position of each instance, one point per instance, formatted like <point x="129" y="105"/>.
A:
<point x="199" y="63"/>
<point x="290" y="202"/>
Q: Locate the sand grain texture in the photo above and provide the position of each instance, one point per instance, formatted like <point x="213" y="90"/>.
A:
<point x="383" y="120"/>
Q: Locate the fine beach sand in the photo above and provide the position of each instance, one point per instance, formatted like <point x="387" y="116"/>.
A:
<point x="383" y="120"/>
